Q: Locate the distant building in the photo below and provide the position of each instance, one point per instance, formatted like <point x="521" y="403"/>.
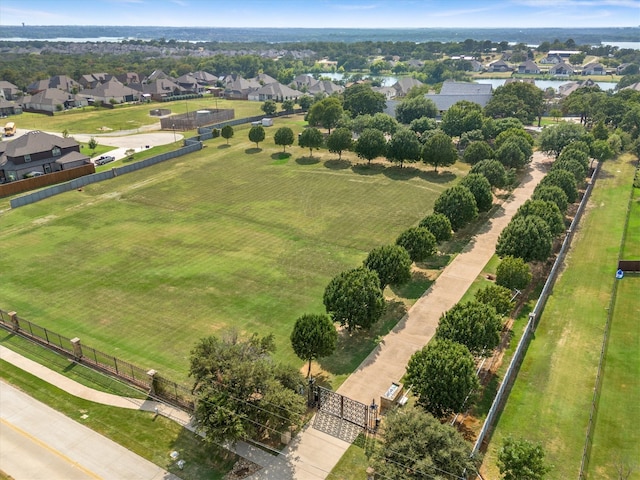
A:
<point x="452" y="92"/>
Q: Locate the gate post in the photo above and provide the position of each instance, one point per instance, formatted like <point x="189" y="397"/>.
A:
<point x="77" y="348"/>
<point x="373" y="416"/>
<point x="14" y="321"/>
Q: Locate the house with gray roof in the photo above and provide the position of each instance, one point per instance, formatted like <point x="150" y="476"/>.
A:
<point x="499" y="66"/>
<point x="562" y="69"/>
<point x="404" y="84"/>
<point x="238" y="88"/>
<point x="452" y="92"/>
<point x="190" y="83"/>
<point x="127" y="78"/>
<point x="593" y="68"/>
<point x="205" y="78"/>
<point x="8" y="90"/>
<point x="528" y="67"/>
<point x="60" y="82"/>
<point x="111" y="91"/>
<point x="52" y="100"/>
<point x="325" y="86"/>
<point x="8" y="108"/>
<point x="274" y="91"/>
<point x="92" y="80"/>
<point x="40" y="152"/>
<point x="158" y="90"/>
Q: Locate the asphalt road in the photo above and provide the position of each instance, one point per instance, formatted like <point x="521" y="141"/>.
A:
<point x="37" y="442"/>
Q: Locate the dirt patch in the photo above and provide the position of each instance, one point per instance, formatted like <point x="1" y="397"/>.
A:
<point x="242" y="469"/>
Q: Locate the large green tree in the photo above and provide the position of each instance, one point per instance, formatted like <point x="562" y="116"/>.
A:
<point x="284" y="137"/>
<point x="269" y="107"/>
<point x="519" y="459"/>
<point x="227" y="132"/>
<point x="360" y="99"/>
<point x="415" y="445"/>
<point x="257" y="134"/>
<point x="439" y="225"/>
<point x="473" y="324"/>
<point x="313" y="336"/>
<point x="311" y="138"/>
<point x="551" y="193"/>
<point x="442" y="375"/>
<point x="547" y="211"/>
<point x="461" y="117"/>
<point x="513" y="273"/>
<point x="404" y="146"/>
<point x="326" y="113"/>
<point x="371" y="144"/>
<point x="419" y="242"/>
<point x="392" y="263"/>
<point x="416" y="107"/>
<point x="554" y="138"/>
<point x="354" y="299"/>
<point x="458" y="204"/>
<point x="481" y="190"/>
<point x="439" y="151"/>
<point x="521" y="100"/>
<point x="526" y="237"/>
<point x="476" y="152"/>
<point x="339" y="141"/>
<point x="563" y="179"/>
<point x="240" y="391"/>
<point x="498" y="297"/>
<point x="493" y="170"/>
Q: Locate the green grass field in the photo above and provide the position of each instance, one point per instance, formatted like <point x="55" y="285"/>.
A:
<point x="550" y="400"/>
<point x="616" y="437"/>
<point x="144" y="265"/>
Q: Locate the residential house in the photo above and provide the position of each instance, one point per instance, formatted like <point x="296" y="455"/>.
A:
<point x="528" y="67"/>
<point x="40" y="152"/>
<point x="552" y="59"/>
<point x="476" y="66"/>
<point x="452" y="92"/>
<point x="414" y="64"/>
<point x="499" y="66"/>
<point x="274" y="91"/>
<point x="562" y="69"/>
<point x="303" y="81"/>
<point x="325" y="86"/>
<point x="92" y="80"/>
<point x="158" y="90"/>
<point x="634" y="86"/>
<point x="264" y="79"/>
<point x="9" y="108"/>
<point x="388" y="92"/>
<point x="205" y="78"/>
<point x="190" y="83"/>
<point x="238" y="88"/>
<point x="619" y="69"/>
<point x="52" y="100"/>
<point x="127" y="78"/>
<point x="404" y="84"/>
<point x="60" y="82"/>
<point x="566" y="89"/>
<point x="157" y="75"/>
<point x="8" y="90"/>
<point x="593" y="68"/>
<point x="111" y="91"/>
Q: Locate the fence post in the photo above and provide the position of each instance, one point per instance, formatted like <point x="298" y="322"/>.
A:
<point x="152" y="381"/>
<point x="77" y="348"/>
<point x="14" y="321"/>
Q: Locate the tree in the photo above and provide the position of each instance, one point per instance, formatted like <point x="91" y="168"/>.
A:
<point x="93" y="144"/>
<point x="227" y="132"/>
<point x="551" y="193"/>
<point x="404" y="146"/>
<point x="416" y="445"/>
<point x="339" y="141"/>
<point x="521" y="460"/>
<point x="354" y="299"/>
<point x="269" y="107"/>
<point x="385" y="123"/>
<point x="371" y="144"/>
<point x="578" y="170"/>
<point x="419" y="242"/>
<point x="600" y="131"/>
<point x="526" y="237"/>
<point x="458" y="204"/>
<point x="416" y="107"/>
<point x="461" y="117"/>
<point x="284" y="137"/>
<point x="256" y="134"/>
<point x="326" y="113"/>
<point x="555" y="137"/>
<point x="513" y="273"/>
<point x="422" y="125"/>
<point x="305" y="101"/>
<point x="392" y="263"/>
<point x="498" y="297"/>
<point x="547" y="211"/>
<point x="439" y="225"/>
<point x="493" y="170"/>
<point x="288" y="105"/>
<point x="439" y="150"/>
<point x="522" y="100"/>
<point x="476" y="152"/>
<point x="511" y="155"/>
<point x="577" y="154"/>
<point x="442" y="375"/>
<point x="563" y="179"/>
<point x="601" y="150"/>
<point x="311" y="138"/>
<point x="481" y="190"/>
<point x="473" y="324"/>
<point x="556" y="114"/>
<point x="240" y="391"/>
<point x="360" y="99"/>
<point x="313" y="336"/>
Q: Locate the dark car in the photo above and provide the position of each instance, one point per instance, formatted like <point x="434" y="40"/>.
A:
<point x="105" y="159"/>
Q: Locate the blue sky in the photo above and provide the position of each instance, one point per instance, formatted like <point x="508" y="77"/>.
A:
<point x="325" y="13"/>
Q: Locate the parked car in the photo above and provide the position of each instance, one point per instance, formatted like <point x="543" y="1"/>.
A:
<point x="33" y="174"/>
<point x="105" y="159"/>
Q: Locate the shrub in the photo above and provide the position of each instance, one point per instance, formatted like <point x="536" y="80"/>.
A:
<point x="513" y="273"/>
<point x="439" y="225"/>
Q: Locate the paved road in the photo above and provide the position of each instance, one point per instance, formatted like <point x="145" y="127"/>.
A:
<point x="37" y="442"/>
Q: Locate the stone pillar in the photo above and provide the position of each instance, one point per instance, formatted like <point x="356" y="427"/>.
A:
<point x="77" y="348"/>
<point x="152" y="381"/>
<point x="14" y="320"/>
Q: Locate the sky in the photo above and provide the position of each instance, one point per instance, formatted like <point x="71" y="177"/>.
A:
<point x="325" y="13"/>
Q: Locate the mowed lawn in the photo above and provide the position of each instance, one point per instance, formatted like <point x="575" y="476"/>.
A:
<point x="616" y="439"/>
<point x="146" y="264"/>
<point x="551" y="398"/>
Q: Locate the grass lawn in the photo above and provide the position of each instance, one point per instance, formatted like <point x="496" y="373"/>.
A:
<point x="616" y="437"/>
<point x="550" y="400"/>
<point x="153" y="438"/>
<point x="144" y="265"/>
<point x="92" y="120"/>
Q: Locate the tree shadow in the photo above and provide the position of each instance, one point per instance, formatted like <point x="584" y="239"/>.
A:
<point x="368" y="168"/>
<point x="435" y="262"/>
<point x="414" y="288"/>
<point x="280" y="155"/>
<point x="438" y="177"/>
<point x="397" y="172"/>
<point x="337" y="164"/>
<point x="252" y="151"/>
<point x="307" y="160"/>
<point x="223" y="146"/>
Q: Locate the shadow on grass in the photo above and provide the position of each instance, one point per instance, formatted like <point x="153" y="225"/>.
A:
<point x="437" y="177"/>
<point x="307" y="160"/>
<point x="353" y="347"/>
<point x="223" y="146"/>
<point x="415" y="288"/>
<point x="436" y="262"/>
<point x="337" y="164"/>
<point x="280" y="155"/>
<point x="253" y="150"/>
<point x="396" y="172"/>
<point x="368" y="168"/>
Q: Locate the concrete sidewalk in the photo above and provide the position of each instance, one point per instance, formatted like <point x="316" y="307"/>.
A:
<point x="313" y="454"/>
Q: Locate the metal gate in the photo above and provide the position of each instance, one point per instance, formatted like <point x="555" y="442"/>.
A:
<point x="343" y="407"/>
